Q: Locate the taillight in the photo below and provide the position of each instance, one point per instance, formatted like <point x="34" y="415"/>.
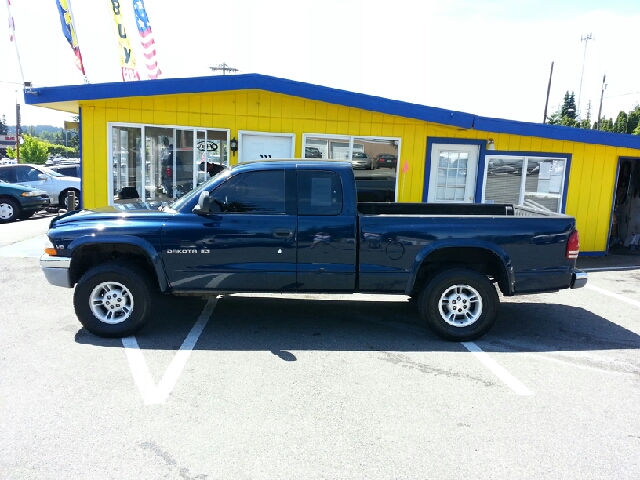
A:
<point x="573" y="246"/>
<point x="169" y="171"/>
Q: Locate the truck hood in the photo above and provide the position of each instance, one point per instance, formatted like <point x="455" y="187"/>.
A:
<point x="129" y="212"/>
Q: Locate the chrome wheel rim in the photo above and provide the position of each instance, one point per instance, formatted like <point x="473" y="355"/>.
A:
<point x="460" y="305"/>
<point x="111" y="302"/>
<point x="6" y="211"/>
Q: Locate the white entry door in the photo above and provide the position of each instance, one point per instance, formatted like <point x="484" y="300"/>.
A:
<point x="453" y="173"/>
<point x="254" y="146"/>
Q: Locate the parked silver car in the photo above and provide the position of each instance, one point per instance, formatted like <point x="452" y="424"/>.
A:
<point x="362" y="160"/>
<point x="56" y="185"/>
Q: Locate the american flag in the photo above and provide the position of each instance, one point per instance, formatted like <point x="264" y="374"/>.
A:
<point x="146" y="38"/>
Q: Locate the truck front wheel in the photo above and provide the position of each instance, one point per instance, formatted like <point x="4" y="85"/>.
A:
<point x="459" y="304"/>
<point x="113" y="300"/>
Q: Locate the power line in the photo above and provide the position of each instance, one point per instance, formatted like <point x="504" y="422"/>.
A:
<point x="621" y="95"/>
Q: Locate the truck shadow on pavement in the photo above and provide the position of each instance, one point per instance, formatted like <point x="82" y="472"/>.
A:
<point x="281" y="325"/>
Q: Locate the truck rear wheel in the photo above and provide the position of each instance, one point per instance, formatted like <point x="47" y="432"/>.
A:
<point x="459" y="304"/>
<point x="113" y="300"/>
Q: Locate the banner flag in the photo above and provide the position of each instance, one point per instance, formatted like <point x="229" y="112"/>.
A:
<point x="146" y="39"/>
<point x="127" y="59"/>
<point x="69" y="30"/>
<point x="12" y="37"/>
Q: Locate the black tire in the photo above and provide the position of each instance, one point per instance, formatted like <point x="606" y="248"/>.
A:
<point x="472" y="318"/>
<point x="62" y="199"/>
<point x="27" y="214"/>
<point x="9" y="210"/>
<point x="133" y="291"/>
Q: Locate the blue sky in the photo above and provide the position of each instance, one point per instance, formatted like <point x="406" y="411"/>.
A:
<point x="489" y="58"/>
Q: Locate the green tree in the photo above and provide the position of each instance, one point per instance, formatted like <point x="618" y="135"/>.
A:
<point x="633" y="119"/>
<point x="606" y="125"/>
<point x="52" y="137"/>
<point x="33" y="150"/>
<point x="584" y="124"/>
<point x="567" y="114"/>
<point x="621" y="123"/>
<point x="55" y="149"/>
<point x="569" y="106"/>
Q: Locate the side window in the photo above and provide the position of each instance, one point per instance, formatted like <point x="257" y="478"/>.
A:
<point x="251" y="192"/>
<point x="23" y="174"/>
<point x="8" y="174"/>
<point x="319" y="193"/>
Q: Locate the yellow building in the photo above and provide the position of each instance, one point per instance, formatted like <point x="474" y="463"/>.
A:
<point x="408" y="152"/>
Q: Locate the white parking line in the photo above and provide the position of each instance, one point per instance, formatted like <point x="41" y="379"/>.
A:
<point x="613" y="295"/>
<point x="512" y="382"/>
<point x="151" y="394"/>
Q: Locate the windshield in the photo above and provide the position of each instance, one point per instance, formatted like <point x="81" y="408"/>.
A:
<point x="48" y="171"/>
<point x="182" y="201"/>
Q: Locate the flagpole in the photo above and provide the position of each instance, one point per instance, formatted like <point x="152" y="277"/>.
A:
<point x="13" y="38"/>
<point x="73" y="22"/>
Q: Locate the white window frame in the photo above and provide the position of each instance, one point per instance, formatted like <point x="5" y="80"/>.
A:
<point x="350" y="139"/>
<point x="143" y="153"/>
<point x="525" y="162"/>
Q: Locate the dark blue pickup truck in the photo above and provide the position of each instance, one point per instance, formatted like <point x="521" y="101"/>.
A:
<point x="297" y="226"/>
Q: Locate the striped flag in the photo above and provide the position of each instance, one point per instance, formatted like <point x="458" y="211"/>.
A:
<point x="12" y="27"/>
<point x="12" y="37"/>
<point x="147" y="40"/>
<point x="69" y="30"/>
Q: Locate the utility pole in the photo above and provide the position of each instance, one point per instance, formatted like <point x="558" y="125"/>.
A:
<point x="548" y="90"/>
<point x="604" y="85"/>
<point x="584" y="39"/>
<point x="18" y="132"/>
<point x="224" y="67"/>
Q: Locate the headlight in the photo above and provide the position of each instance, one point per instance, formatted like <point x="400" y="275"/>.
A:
<point x="48" y="247"/>
<point x="37" y="193"/>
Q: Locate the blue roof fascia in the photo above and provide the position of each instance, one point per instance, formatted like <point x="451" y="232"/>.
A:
<point x="220" y="83"/>
<point x="172" y="86"/>
<point x="556" y="132"/>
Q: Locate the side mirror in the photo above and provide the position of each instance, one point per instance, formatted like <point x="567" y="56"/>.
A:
<point x="42" y="176"/>
<point x="204" y="203"/>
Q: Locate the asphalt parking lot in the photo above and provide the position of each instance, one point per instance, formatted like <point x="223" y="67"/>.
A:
<point x="317" y="386"/>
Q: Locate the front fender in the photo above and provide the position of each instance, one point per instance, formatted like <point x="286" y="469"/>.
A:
<point x="496" y="250"/>
<point x="151" y="252"/>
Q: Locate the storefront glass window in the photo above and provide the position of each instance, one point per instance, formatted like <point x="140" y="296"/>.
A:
<point x="531" y="181"/>
<point x="171" y="163"/>
<point x="374" y="162"/>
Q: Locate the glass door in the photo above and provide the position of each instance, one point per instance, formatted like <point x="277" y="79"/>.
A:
<point x="127" y="159"/>
<point x="453" y="173"/>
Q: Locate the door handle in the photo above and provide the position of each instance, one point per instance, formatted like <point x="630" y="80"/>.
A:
<point x="282" y="232"/>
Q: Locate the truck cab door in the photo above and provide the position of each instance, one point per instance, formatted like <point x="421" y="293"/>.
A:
<point x="246" y="243"/>
<point x="326" y="234"/>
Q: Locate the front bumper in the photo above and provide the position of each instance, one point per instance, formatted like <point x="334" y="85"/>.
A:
<point x="579" y="279"/>
<point x="34" y="203"/>
<point x="56" y="270"/>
